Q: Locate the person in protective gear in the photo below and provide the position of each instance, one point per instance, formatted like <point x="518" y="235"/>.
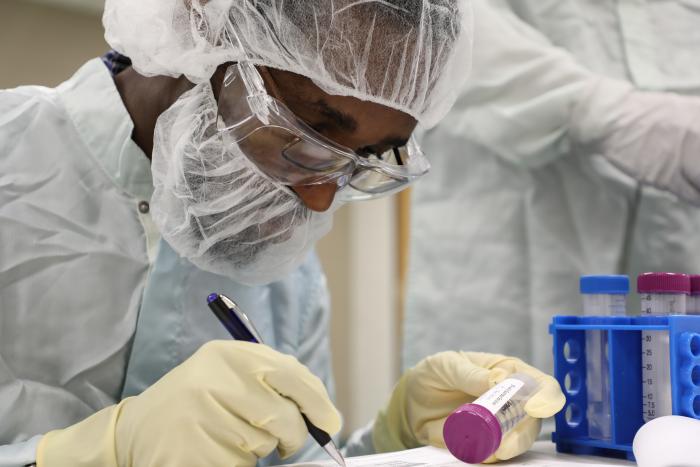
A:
<point x="211" y="164"/>
<point x="574" y="147"/>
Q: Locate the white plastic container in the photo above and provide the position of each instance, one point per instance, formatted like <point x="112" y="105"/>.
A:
<point x="662" y="294"/>
<point x="602" y="295"/>
<point x="668" y="442"/>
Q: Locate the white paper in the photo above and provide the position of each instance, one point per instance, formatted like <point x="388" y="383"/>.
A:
<point x="427" y="456"/>
<point x="542" y="455"/>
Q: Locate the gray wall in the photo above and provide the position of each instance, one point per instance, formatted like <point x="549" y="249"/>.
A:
<point x="45" y="44"/>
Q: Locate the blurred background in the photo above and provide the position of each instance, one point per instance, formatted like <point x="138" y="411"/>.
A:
<point x="43" y="42"/>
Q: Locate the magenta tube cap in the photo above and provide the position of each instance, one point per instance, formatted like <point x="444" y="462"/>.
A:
<point x="663" y="282"/>
<point x="695" y="285"/>
<point x="472" y="433"/>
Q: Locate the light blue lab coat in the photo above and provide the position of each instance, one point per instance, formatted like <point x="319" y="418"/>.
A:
<point x="94" y="306"/>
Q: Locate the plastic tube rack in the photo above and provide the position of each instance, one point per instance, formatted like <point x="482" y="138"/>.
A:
<point x="625" y="366"/>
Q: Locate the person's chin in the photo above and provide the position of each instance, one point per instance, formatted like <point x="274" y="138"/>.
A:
<point x="243" y="252"/>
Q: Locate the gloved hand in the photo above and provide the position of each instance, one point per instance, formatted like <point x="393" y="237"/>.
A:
<point x="653" y="137"/>
<point x="426" y="395"/>
<point x="229" y="404"/>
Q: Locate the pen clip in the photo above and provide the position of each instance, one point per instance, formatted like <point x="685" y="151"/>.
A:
<point x="241" y="316"/>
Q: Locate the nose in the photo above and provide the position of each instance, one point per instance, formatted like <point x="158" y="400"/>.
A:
<point x="316" y="197"/>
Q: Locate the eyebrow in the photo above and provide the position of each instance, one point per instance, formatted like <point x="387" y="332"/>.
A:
<point x="339" y="119"/>
<point x="342" y="120"/>
<point x="346" y="122"/>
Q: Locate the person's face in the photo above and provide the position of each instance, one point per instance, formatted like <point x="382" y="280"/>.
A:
<point x="362" y="126"/>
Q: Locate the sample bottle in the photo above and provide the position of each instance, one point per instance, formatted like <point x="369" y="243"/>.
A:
<point x="662" y="294"/>
<point x="693" y="306"/>
<point x="474" y="431"/>
<point x="602" y="296"/>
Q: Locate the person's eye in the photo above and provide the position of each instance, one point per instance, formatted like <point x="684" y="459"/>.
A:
<point x="380" y="153"/>
<point x="366" y="152"/>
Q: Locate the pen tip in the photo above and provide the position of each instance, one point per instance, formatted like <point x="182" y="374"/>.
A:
<point x="334" y="452"/>
<point x="212" y="297"/>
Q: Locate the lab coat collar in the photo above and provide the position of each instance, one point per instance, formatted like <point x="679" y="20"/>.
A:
<point x="96" y="109"/>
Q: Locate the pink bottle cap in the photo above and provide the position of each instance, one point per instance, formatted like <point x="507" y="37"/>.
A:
<point x="663" y="282"/>
<point x="695" y="285"/>
<point x="472" y="433"/>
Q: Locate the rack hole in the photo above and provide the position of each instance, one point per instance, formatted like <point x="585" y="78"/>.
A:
<point x="695" y="345"/>
<point x="696" y="406"/>
<point x="573" y="415"/>
<point x="572" y="383"/>
<point x="572" y="350"/>
<point x="695" y="375"/>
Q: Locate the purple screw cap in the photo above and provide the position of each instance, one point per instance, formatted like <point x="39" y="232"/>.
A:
<point x="663" y="282"/>
<point x="472" y="433"/>
<point x="695" y="285"/>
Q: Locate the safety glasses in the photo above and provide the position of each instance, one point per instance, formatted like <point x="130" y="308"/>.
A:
<point x="287" y="150"/>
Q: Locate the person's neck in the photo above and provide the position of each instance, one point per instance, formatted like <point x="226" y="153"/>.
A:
<point x="145" y="99"/>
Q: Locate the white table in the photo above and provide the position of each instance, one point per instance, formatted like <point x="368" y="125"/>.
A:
<point x="544" y="454"/>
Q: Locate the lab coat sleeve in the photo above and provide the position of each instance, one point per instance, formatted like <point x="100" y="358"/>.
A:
<point x="360" y="442"/>
<point x="19" y="454"/>
<point x="652" y="137"/>
<point x="531" y="102"/>
<point x="518" y="99"/>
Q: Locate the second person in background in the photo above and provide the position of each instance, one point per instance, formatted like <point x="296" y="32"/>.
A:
<point x="561" y="158"/>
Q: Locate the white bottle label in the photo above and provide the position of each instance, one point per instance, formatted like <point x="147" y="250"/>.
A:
<point x="496" y="397"/>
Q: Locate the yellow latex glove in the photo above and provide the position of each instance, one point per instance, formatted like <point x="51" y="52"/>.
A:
<point x="229" y="404"/>
<point x="426" y="395"/>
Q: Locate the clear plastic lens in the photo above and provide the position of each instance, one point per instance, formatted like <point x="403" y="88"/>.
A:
<point x="289" y="151"/>
<point x="405" y="162"/>
<point x="374" y="182"/>
<point x="265" y="148"/>
<point x="394" y="156"/>
<point x="311" y="156"/>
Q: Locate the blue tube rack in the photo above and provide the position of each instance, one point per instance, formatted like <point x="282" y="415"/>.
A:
<point x="625" y="364"/>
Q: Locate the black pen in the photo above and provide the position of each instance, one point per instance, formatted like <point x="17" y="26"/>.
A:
<point x="241" y="328"/>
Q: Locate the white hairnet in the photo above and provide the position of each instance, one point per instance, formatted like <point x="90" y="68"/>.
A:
<point x="215" y="208"/>
<point x="404" y="54"/>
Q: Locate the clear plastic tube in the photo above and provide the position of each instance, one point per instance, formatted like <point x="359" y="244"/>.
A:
<point x="604" y="304"/>
<point x="693" y="305"/>
<point x="656" y="360"/>
<point x="597" y="365"/>
<point x="474" y="431"/>
<point x="514" y="391"/>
